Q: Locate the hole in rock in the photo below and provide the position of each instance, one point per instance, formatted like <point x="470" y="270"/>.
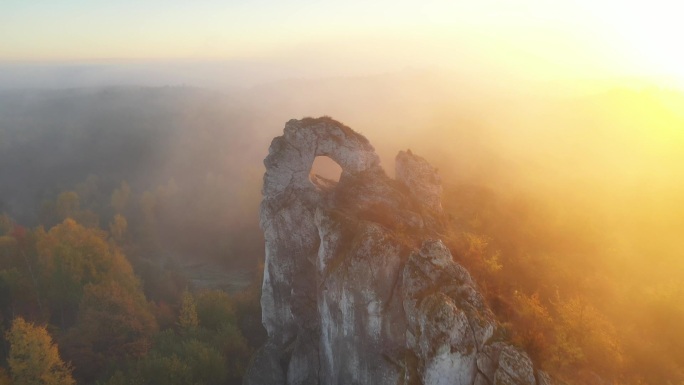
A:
<point x="326" y="168"/>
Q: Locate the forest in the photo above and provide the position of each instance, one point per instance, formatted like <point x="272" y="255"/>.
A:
<point x="116" y="201"/>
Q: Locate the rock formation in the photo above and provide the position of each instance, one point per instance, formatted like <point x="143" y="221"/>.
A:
<point x="358" y="287"/>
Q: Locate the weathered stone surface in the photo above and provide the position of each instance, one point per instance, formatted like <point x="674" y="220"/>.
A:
<point x="515" y="368"/>
<point x="543" y="378"/>
<point x="358" y="288"/>
<point x="265" y="367"/>
<point x="446" y="312"/>
<point x="421" y="178"/>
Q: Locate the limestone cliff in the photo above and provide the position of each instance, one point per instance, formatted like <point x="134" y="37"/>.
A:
<point x="358" y="287"/>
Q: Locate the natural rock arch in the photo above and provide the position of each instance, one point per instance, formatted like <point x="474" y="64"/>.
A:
<point x="325" y="168"/>
<point x="358" y="288"/>
<point x="291" y="156"/>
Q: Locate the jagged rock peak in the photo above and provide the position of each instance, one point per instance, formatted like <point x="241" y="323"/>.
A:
<point x="358" y="287"/>
<point x="420" y="177"/>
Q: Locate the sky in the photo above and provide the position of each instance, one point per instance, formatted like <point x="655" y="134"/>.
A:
<point x="536" y="39"/>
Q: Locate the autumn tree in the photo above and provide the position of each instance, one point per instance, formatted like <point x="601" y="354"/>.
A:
<point x="33" y="357"/>
<point x="114" y="324"/>
<point x="533" y="325"/>
<point x="19" y="281"/>
<point x="188" y="312"/>
<point x="584" y="335"/>
<point x="72" y="256"/>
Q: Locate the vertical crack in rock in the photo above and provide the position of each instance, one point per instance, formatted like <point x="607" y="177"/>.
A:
<point x="358" y="288"/>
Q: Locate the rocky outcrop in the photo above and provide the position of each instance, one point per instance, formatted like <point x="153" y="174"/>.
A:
<point x="358" y="287"/>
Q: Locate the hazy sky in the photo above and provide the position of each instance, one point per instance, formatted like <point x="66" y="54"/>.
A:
<point x="536" y="38"/>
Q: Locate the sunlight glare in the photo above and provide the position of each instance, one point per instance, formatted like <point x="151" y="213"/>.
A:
<point x="649" y="35"/>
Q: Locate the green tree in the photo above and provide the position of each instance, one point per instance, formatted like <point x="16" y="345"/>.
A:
<point x="157" y="369"/>
<point x="33" y="358"/>
<point x="233" y="345"/>
<point x="214" y="309"/>
<point x="184" y="359"/>
<point x="207" y="365"/>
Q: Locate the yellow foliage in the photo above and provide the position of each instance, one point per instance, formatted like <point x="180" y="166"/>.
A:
<point x="33" y="358"/>
<point x="477" y="255"/>
<point x="583" y="334"/>
<point x="533" y="325"/>
<point x="83" y="254"/>
<point x="188" y="313"/>
<point x="492" y="263"/>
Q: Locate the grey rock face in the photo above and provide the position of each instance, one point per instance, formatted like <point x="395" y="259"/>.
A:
<point x="421" y="177"/>
<point x="358" y="288"/>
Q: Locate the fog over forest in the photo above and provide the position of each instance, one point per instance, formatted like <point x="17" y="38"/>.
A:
<point x="571" y="147"/>
<point x="577" y="190"/>
<point x="137" y="246"/>
<point x="582" y="152"/>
